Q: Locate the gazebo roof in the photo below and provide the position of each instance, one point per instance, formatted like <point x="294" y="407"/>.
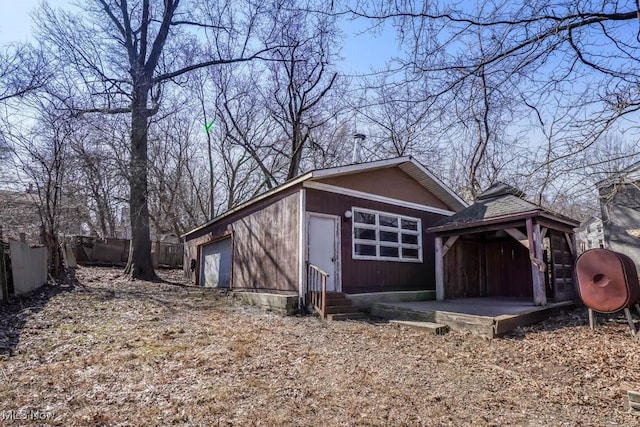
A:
<point x="499" y="203"/>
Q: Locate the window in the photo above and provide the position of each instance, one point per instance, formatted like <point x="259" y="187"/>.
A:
<point x="385" y="236"/>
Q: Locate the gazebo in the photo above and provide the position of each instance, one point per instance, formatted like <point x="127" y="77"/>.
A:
<point x="505" y="246"/>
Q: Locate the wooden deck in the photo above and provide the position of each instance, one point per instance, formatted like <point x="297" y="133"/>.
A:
<point x="485" y="316"/>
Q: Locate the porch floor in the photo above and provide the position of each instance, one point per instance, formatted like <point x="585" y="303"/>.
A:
<point x="485" y="316"/>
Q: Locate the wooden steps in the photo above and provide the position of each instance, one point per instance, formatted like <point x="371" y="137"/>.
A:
<point x="346" y="316"/>
<point x="339" y="307"/>
<point x="435" y="328"/>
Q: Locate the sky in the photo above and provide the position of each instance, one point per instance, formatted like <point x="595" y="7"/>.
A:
<point x="15" y="22"/>
<point x="361" y="52"/>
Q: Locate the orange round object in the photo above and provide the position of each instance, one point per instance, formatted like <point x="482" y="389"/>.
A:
<point x="607" y="280"/>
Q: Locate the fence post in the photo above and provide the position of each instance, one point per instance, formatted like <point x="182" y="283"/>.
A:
<point x="4" y="286"/>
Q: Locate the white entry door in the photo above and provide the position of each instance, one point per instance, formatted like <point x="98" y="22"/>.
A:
<point x="323" y="247"/>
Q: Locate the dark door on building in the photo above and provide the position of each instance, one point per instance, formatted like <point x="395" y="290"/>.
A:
<point x="561" y="268"/>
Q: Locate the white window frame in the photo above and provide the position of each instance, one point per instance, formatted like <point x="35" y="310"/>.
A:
<point x="377" y="242"/>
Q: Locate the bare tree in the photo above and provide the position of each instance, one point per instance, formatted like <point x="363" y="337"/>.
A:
<point x="570" y="63"/>
<point x="22" y="70"/>
<point x="122" y="55"/>
<point x="99" y="175"/>
<point x="172" y="148"/>
<point x="330" y="143"/>
<point x="302" y="75"/>
<point x="582" y="50"/>
<point x="41" y="153"/>
<point x="243" y="128"/>
<point x="397" y="122"/>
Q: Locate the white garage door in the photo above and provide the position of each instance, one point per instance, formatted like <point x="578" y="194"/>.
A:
<point x="215" y="264"/>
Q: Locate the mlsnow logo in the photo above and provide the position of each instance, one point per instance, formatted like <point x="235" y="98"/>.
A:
<point x="22" y="415"/>
<point x="208" y="126"/>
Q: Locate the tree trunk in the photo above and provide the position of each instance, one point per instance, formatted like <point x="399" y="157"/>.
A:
<point x="212" y="204"/>
<point x="296" y="152"/>
<point x="139" y="265"/>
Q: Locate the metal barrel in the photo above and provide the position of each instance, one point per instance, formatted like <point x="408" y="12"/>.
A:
<point x="607" y="280"/>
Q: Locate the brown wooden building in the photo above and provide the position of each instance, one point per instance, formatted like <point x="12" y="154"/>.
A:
<point x="505" y="246"/>
<point x="364" y="224"/>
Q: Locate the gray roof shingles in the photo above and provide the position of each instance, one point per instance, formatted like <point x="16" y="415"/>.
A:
<point x="499" y="200"/>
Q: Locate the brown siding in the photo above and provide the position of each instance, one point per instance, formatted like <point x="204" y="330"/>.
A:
<point x="508" y="269"/>
<point x="265" y="251"/>
<point x="265" y="244"/>
<point x="377" y="276"/>
<point x="390" y="182"/>
<point x="487" y="268"/>
<point x="464" y="270"/>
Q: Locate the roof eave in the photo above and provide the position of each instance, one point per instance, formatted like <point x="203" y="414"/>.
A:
<point x="456" y="198"/>
<point x="248" y="203"/>
<point x="505" y="218"/>
<point x="485" y="221"/>
<point x="560" y="218"/>
<point x="354" y="168"/>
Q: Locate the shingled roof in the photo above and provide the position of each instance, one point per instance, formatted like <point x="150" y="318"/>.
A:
<point x="498" y="201"/>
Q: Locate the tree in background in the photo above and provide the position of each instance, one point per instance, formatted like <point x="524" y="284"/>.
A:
<point x="571" y="63"/>
<point x="22" y="70"/>
<point x="41" y="152"/>
<point x="122" y="56"/>
<point x="398" y="122"/>
<point x="301" y="77"/>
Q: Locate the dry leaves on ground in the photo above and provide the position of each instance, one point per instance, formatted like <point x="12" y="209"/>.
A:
<point x="102" y="350"/>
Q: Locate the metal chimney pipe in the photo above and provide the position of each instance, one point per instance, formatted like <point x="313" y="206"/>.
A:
<point x="358" y="140"/>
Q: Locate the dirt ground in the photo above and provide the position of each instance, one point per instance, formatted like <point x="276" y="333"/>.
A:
<point x="101" y="350"/>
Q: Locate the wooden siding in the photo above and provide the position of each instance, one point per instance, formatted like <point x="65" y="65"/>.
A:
<point x="370" y="275"/>
<point x="464" y="270"/>
<point x="265" y="244"/>
<point x="508" y="269"/>
<point x="483" y="267"/>
<point x="265" y="253"/>
<point x="390" y="182"/>
<point x="489" y="265"/>
<point x="561" y="268"/>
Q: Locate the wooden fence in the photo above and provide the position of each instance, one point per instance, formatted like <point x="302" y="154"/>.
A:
<point x="112" y="251"/>
<point x="168" y="254"/>
<point x="23" y="269"/>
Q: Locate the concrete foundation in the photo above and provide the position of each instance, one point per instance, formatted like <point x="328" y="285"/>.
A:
<point x="366" y="301"/>
<point x="488" y="317"/>
<point x="285" y="305"/>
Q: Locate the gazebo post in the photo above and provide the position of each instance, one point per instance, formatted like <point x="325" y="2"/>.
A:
<point x="441" y="251"/>
<point x="439" y="270"/>
<point x="537" y="264"/>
